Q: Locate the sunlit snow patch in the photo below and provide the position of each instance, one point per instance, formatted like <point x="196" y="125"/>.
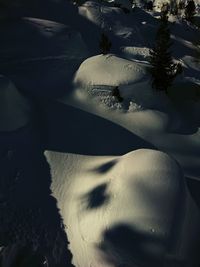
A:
<point x="123" y="210"/>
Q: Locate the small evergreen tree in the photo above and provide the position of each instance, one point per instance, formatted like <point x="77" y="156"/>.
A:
<point x="105" y="44"/>
<point x="174" y="8"/>
<point x="116" y="93"/>
<point x="181" y="5"/>
<point x="163" y="69"/>
<point x="190" y="10"/>
<point x="164" y="11"/>
<point x="149" y="5"/>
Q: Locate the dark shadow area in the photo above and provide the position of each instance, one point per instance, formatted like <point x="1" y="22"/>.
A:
<point x="38" y="60"/>
<point x="96" y="198"/>
<point x="72" y="130"/>
<point x="194" y="188"/>
<point x="106" y="167"/>
<point x="23" y="257"/>
<point x="131" y="247"/>
<point x="62" y="12"/>
<point x="29" y="216"/>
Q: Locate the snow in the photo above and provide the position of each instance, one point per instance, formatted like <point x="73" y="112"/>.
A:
<point x="42" y="49"/>
<point x="120" y="170"/>
<point x="92" y="193"/>
<point x="15" y="109"/>
<point x="138" y="53"/>
<point x="156" y="119"/>
<point x="108" y="70"/>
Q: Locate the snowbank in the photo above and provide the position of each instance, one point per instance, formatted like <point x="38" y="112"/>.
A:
<point x="14" y="107"/>
<point x="111" y="205"/>
<point x="108" y="70"/>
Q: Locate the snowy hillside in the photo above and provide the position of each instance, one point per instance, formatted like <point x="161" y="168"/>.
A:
<point x="97" y="169"/>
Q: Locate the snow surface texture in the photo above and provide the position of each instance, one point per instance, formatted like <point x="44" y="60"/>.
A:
<point x="160" y="221"/>
<point x="14" y="107"/>
<point x="132" y="210"/>
<point x="156" y="121"/>
<point x="97" y="71"/>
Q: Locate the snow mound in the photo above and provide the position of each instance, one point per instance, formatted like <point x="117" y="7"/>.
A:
<point x="14" y="107"/>
<point x="92" y="193"/>
<point x="108" y="70"/>
<point x="98" y="13"/>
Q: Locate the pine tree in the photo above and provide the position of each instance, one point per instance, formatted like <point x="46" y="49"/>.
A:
<point x="105" y="44"/>
<point x="116" y="93"/>
<point x="163" y="69"/>
<point x="190" y="10"/>
<point x="149" y="5"/>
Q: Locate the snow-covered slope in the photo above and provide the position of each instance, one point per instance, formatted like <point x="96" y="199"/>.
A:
<point x="121" y="206"/>
<point x="42" y="58"/>
<point x="149" y="114"/>
<point x="15" y="109"/>
<point x="132" y="210"/>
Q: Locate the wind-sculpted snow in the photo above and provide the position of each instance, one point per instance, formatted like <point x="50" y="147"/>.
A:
<point x="108" y="70"/>
<point x="132" y="210"/>
<point x="165" y="122"/>
<point x="127" y="204"/>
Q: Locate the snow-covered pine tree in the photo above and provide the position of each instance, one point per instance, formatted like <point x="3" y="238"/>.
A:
<point x="163" y="69"/>
<point x="105" y="44"/>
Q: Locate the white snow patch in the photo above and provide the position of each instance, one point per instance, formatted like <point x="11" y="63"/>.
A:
<point x="108" y="70"/>
<point x="139" y="193"/>
<point x="131" y="52"/>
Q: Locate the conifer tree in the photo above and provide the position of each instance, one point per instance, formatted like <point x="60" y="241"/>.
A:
<point x="105" y="44"/>
<point x="116" y="93"/>
<point x="163" y="69"/>
<point x="190" y="10"/>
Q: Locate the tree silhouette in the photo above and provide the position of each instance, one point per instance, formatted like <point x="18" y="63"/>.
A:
<point x="116" y="93"/>
<point x="149" y="5"/>
<point x="163" y="69"/>
<point x="190" y="10"/>
<point x="105" y="44"/>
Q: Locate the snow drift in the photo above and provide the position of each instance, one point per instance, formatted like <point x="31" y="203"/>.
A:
<point x="132" y="210"/>
<point x="108" y="70"/>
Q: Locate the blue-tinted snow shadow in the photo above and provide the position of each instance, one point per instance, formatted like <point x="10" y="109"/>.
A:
<point x="29" y="217"/>
<point x="194" y="188"/>
<point x="130" y="245"/>
<point x="135" y="248"/>
<point x="37" y="60"/>
<point x="62" y="12"/>
<point x="72" y="130"/>
<point x="124" y="245"/>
